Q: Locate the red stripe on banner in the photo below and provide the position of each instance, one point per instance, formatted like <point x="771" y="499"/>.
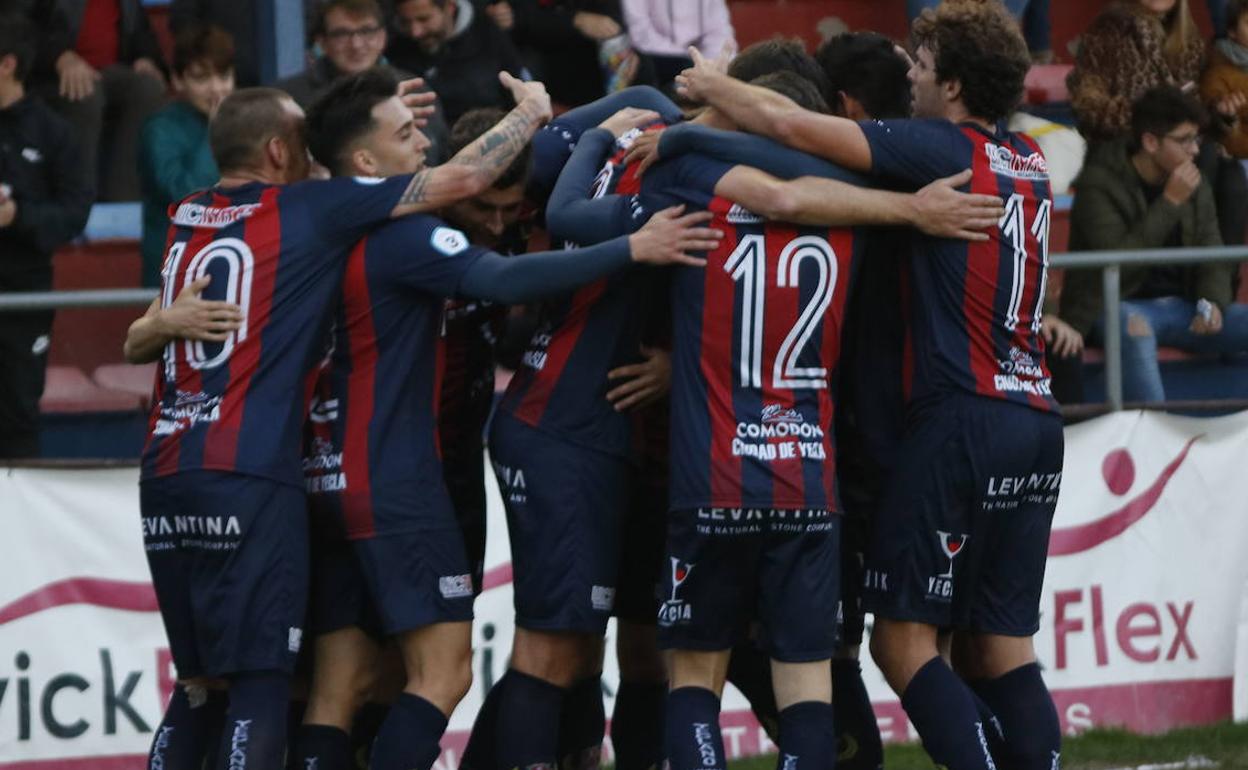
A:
<point x="1148" y="707"/>
<point x="112" y="594"/>
<point x="116" y="762"/>
<point x="1084" y="537"/>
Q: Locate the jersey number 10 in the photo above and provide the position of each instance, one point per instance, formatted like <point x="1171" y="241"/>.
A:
<point x="748" y="266"/>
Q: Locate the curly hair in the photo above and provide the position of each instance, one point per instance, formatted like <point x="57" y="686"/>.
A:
<point x="978" y="44"/>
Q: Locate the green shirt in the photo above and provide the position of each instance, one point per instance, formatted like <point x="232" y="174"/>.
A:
<point x="174" y="161"/>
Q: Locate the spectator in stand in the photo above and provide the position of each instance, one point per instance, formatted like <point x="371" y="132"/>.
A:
<point x="101" y="68"/>
<point x="44" y="201"/>
<point x="457" y="49"/>
<point x="578" y="48"/>
<point x="1148" y="193"/>
<point x="352" y="36"/>
<point x="1224" y="88"/>
<point x="238" y="17"/>
<point x="174" y="157"/>
<point x="662" y="32"/>
<point x="1132" y="46"/>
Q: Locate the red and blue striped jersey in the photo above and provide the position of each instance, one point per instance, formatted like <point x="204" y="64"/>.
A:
<point x="561" y="384"/>
<point x="755" y="343"/>
<point x="279" y="252"/>
<point x="374" y="455"/>
<point x="977" y="306"/>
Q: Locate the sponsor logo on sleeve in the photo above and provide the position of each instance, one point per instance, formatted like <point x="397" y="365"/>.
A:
<point x="448" y="241"/>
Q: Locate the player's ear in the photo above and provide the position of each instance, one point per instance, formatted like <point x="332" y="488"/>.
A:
<point x="277" y="151"/>
<point x="363" y="163"/>
<point x="952" y="90"/>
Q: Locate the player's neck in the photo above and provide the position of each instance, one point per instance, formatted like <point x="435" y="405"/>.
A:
<point x="956" y="112"/>
<point x="241" y="177"/>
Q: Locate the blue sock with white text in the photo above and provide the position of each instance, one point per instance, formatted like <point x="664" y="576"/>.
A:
<point x="694" y="741"/>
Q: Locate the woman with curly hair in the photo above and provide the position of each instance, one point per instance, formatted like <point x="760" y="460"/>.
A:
<point x="1131" y="47"/>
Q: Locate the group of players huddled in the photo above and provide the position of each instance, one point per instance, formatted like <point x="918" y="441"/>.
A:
<point x="787" y="368"/>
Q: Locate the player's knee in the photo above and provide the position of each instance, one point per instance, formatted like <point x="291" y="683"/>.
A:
<point x="447" y="683"/>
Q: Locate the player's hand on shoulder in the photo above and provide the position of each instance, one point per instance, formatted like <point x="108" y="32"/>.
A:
<point x="644" y="151"/>
<point x="191" y="317"/>
<point x="627" y="119"/>
<point x="944" y="212"/>
<point x="530" y="92"/>
<point x="670" y="238"/>
<point x="643" y="383"/>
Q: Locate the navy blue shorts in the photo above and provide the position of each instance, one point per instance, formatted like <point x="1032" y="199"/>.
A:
<point x="963" y="533"/>
<point x="564" y="505"/>
<point x="388" y="584"/>
<point x="229" y="561"/>
<point x="728" y="567"/>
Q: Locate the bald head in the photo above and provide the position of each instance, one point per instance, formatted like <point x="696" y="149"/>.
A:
<point x="255" y="127"/>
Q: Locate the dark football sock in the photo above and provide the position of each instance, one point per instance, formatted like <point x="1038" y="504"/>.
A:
<point x="637" y="725"/>
<point x="992" y="725"/>
<point x="191" y="726"/>
<point x="944" y="713"/>
<point x="321" y="747"/>
<point x="807" y="737"/>
<point x="408" y="739"/>
<point x="480" y="753"/>
<point x="694" y="741"/>
<point x="1033" y="734"/>
<point x="368" y="722"/>
<point x="582" y="725"/>
<point x="528" y="723"/>
<point x="857" y="733"/>
<point x="749" y="670"/>
<point x="254" y="734"/>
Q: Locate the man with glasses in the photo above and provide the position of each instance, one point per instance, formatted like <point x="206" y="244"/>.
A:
<point x="351" y="35"/>
<point x="457" y="49"/>
<point x="1149" y="194"/>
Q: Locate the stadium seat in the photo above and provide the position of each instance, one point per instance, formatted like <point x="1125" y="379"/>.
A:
<point x="1046" y="83"/>
<point x="67" y="389"/>
<point x="127" y="378"/>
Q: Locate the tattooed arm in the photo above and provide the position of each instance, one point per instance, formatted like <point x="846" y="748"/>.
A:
<point x="477" y="166"/>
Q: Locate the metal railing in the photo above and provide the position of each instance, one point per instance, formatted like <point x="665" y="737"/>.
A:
<point x="1111" y="263"/>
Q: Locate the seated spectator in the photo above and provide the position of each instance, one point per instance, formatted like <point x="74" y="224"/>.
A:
<point x="352" y="36"/>
<point x="174" y="157"/>
<point x="662" y="32"/>
<point x="44" y="201"/>
<point x="1132" y="46"/>
<point x="1148" y="193"/>
<point x="1224" y="89"/>
<point x="102" y="70"/>
<point x="457" y="49"/>
<point x="578" y="48"/>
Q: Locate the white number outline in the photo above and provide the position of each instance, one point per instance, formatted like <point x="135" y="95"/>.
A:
<point x="1014" y="230"/>
<point x="747" y="264"/>
<point x="240" y="271"/>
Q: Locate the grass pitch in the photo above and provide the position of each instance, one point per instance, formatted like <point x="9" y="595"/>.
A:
<point x="1222" y="745"/>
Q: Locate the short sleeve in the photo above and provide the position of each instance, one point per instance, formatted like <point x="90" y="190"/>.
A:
<point x="345" y="208"/>
<point x="422" y="253"/>
<point x="915" y="152"/>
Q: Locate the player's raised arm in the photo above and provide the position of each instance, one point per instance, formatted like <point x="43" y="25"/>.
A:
<point x="477" y="166"/>
<point x="189" y="317"/>
<point x="938" y="209"/>
<point x="761" y="111"/>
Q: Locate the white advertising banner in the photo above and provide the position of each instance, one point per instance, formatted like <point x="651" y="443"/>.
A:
<point x="1141" y="611"/>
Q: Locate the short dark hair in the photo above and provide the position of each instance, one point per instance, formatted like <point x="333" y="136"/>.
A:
<point x="349" y="7"/>
<point x="867" y="67"/>
<point x="472" y="125"/>
<point x="1160" y="110"/>
<point x="775" y="55"/>
<point x="17" y="39"/>
<point x="978" y="44"/>
<point x="1234" y="10"/>
<point x="799" y="89"/>
<point x="245" y="121"/>
<point x="344" y="113"/>
<point x="206" y="43"/>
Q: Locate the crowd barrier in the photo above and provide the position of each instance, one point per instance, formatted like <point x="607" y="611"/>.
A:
<point x="1144" y="612"/>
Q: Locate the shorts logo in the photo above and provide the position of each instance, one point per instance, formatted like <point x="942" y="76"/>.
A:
<point x="941" y="586"/>
<point x="455" y="586"/>
<point x="676" y="610"/>
<point x="294" y="639"/>
<point x="602" y="598"/>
